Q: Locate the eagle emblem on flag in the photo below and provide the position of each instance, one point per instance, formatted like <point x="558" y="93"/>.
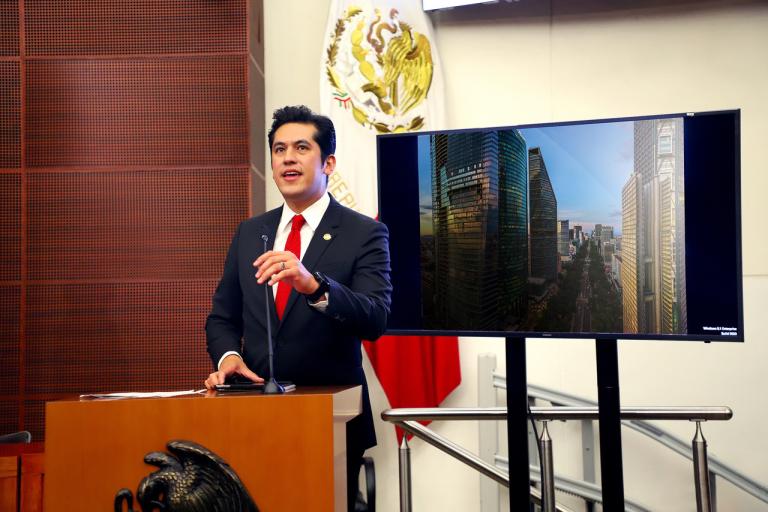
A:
<point x="381" y="68"/>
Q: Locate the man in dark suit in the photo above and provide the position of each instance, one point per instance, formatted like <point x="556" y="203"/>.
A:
<point x="328" y="269"/>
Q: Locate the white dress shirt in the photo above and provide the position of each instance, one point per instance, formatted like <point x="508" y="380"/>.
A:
<point x="312" y="217"/>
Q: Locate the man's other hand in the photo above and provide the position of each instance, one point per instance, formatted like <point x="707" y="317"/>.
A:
<point x="231" y="365"/>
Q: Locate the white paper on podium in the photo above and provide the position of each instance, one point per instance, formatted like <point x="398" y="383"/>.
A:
<point x="152" y="394"/>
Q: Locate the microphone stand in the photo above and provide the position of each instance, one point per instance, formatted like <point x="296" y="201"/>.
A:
<point x="271" y="387"/>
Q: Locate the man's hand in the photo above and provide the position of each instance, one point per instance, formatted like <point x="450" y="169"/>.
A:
<point x="275" y="266"/>
<point x="231" y="365"/>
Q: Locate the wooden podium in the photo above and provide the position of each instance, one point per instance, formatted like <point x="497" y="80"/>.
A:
<point x="288" y="450"/>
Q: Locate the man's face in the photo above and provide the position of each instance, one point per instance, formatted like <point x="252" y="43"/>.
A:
<point x="297" y="166"/>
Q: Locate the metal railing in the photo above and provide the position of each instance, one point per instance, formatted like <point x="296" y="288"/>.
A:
<point x="408" y="419"/>
<point x="452" y="449"/>
<point x="660" y="435"/>
<point x="489" y="380"/>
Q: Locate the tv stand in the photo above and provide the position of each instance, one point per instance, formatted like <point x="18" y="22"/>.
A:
<point x="609" y="411"/>
<point x="517" y="425"/>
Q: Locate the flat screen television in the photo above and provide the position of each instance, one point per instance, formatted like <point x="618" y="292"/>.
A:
<point x="609" y="229"/>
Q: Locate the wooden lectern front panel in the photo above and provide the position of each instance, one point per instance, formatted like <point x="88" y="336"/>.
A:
<point x="282" y="447"/>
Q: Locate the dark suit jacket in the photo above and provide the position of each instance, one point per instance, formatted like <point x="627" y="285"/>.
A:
<point x="310" y="347"/>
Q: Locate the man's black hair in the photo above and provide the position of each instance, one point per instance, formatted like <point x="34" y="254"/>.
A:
<point x="325" y="135"/>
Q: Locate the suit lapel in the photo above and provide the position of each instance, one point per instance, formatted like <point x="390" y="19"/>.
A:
<point x="325" y="234"/>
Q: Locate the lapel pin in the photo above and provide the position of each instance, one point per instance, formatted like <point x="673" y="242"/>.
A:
<point x="327" y="237"/>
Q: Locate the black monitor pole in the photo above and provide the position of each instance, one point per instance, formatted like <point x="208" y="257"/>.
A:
<point x="517" y="425"/>
<point x="609" y="407"/>
<point x="609" y="410"/>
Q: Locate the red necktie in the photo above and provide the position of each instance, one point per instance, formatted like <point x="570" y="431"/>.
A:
<point x="293" y="244"/>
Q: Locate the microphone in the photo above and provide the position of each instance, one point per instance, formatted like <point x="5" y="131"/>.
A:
<point x="271" y="387"/>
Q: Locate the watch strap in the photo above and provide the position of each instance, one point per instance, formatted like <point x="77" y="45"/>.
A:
<point x="321" y="290"/>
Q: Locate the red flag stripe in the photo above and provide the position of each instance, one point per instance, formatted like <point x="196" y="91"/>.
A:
<point x="415" y="371"/>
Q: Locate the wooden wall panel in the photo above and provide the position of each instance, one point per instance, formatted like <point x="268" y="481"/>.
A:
<point x="10" y="227"/>
<point x="98" y="27"/>
<point x="9" y="345"/>
<point x="9" y="412"/>
<point x="124" y="169"/>
<point x="34" y="417"/>
<point x="9" y="28"/>
<point x="85" y="338"/>
<point x="179" y="111"/>
<point x="174" y="224"/>
<point x="10" y="114"/>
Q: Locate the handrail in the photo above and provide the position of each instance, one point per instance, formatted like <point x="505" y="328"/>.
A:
<point x="563" y="413"/>
<point x="408" y="418"/>
<point x="459" y="453"/>
<point x="658" y="434"/>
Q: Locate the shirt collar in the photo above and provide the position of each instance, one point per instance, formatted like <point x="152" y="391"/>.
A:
<point x="312" y="215"/>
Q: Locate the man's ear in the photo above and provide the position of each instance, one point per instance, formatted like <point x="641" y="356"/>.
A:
<point x="329" y="165"/>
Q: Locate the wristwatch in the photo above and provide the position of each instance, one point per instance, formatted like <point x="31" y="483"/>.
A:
<point x="324" y="287"/>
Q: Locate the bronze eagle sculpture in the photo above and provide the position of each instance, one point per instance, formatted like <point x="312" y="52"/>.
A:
<point x="191" y="478"/>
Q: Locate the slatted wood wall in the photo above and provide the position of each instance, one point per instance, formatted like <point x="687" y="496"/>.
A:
<point x="124" y="170"/>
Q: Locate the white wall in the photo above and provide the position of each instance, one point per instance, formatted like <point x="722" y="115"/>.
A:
<point x="528" y="62"/>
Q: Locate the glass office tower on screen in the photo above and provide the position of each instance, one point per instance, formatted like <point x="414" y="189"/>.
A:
<point x="543" y="219"/>
<point x="478" y="236"/>
<point x="581" y="229"/>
